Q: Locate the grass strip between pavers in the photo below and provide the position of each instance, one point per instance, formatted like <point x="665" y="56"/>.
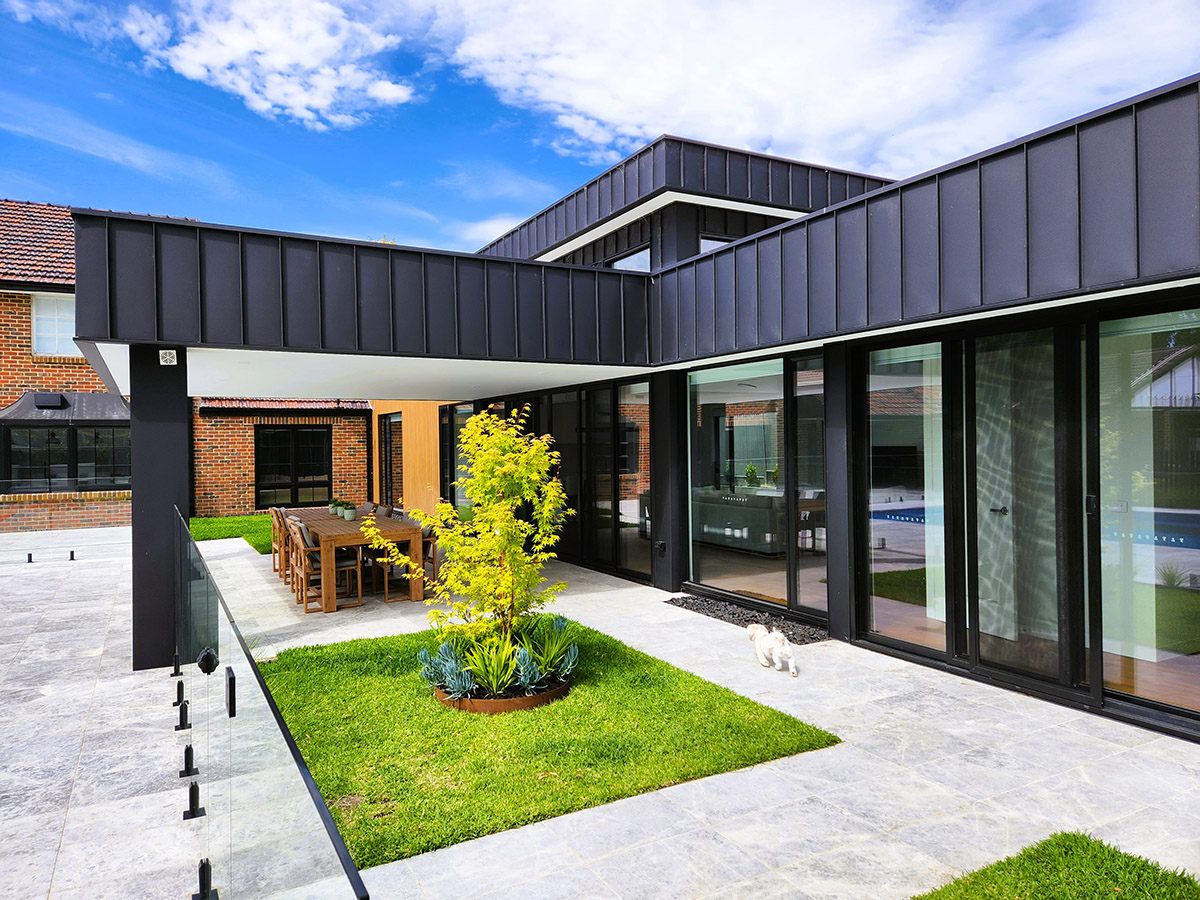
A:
<point x="1070" y="866"/>
<point x="255" y="529"/>
<point x="403" y="774"/>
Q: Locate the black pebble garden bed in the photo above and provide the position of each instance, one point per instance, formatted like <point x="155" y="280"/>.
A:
<point x="796" y="632"/>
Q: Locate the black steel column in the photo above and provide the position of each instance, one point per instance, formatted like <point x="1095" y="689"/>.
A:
<point x="669" y="480"/>
<point x="839" y="491"/>
<point x="160" y="413"/>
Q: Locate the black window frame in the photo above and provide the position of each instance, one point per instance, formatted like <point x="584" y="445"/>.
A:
<point x="69" y="483"/>
<point x="292" y="484"/>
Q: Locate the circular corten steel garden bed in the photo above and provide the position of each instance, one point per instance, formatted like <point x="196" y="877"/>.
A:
<point x="503" y="704"/>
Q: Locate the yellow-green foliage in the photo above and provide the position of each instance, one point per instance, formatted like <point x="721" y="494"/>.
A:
<point x="491" y="573"/>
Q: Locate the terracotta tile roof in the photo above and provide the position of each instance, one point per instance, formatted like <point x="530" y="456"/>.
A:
<point x="269" y="403"/>
<point x="37" y="243"/>
<point x="905" y="401"/>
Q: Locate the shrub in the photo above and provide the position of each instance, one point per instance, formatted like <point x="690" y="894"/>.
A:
<point x="1172" y="576"/>
<point x="491" y="571"/>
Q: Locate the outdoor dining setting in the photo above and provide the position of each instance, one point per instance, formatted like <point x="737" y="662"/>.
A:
<point x="323" y="556"/>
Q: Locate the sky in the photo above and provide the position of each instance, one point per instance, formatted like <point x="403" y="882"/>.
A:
<point x="443" y="123"/>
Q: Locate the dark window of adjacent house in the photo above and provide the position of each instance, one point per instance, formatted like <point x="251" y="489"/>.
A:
<point x="293" y="465"/>
<point x="43" y="458"/>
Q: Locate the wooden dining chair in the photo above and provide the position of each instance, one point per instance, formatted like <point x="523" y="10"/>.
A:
<point x="280" y="545"/>
<point x="306" y="572"/>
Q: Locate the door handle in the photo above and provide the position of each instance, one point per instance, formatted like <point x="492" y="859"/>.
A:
<point x="1003" y="510"/>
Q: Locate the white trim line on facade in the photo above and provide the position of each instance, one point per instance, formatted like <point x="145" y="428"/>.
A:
<point x="666" y="198"/>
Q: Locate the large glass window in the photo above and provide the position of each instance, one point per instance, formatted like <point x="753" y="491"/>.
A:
<point x="54" y="325"/>
<point x="459" y="416"/>
<point x="633" y="483"/>
<point x="907" y="578"/>
<point x="739" y="516"/>
<point x="39" y="459"/>
<point x="565" y="426"/>
<point x="599" y="520"/>
<point x="103" y="457"/>
<point x="809" y="403"/>
<point x="293" y="465"/>
<point x="1150" y="506"/>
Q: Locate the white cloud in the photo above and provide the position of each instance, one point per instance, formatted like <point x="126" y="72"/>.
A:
<point x="484" y="180"/>
<point x="888" y="86"/>
<point x="54" y="125"/>
<point x="473" y="235"/>
<point x="894" y="86"/>
<point x="309" y="60"/>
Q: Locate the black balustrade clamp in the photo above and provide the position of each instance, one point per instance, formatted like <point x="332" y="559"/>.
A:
<point x="184" y="724"/>
<point x="28" y="557"/>
<point x="207" y="891"/>
<point x="176" y="672"/>
<point x="72" y="558"/>
<point x="230" y="691"/>
<point x="194" y="810"/>
<point x="189" y="763"/>
<point x="178" y="694"/>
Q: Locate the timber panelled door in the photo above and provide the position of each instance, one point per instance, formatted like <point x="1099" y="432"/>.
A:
<point x="1031" y="505"/>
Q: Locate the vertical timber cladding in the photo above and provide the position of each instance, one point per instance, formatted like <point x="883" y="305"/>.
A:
<point x="148" y="280"/>
<point x="1105" y="201"/>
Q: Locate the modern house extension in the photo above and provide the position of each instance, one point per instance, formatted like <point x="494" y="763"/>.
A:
<point x="953" y="417"/>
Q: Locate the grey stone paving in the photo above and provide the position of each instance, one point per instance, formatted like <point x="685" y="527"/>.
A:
<point x="89" y="804"/>
<point x="91" y="801"/>
<point x="936" y="775"/>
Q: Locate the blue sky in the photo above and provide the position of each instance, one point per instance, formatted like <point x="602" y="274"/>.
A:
<point x="441" y="123"/>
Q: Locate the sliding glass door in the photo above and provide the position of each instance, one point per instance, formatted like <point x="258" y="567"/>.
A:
<point x="906" y="496"/>
<point x="1149" y="506"/>
<point x="1014" y="542"/>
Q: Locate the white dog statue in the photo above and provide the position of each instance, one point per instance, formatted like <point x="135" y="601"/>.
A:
<point x="772" y="647"/>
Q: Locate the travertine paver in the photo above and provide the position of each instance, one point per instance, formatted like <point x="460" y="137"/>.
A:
<point x="936" y="775"/>
<point x="90" y="805"/>
<point x="91" y="802"/>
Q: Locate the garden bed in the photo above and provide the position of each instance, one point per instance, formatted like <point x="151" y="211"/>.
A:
<point x="796" y="632"/>
<point x="403" y="774"/>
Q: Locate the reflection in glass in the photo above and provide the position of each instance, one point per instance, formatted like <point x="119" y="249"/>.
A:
<point x="1016" y="520"/>
<point x="739" y="517"/>
<point x="906" y="503"/>
<point x="1150" y="506"/>
<point x="633" y="477"/>
<point x="810" y="483"/>
<point x="599" y="521"/>
<point x="462" y="412"/>
<point x="564" y="424"/>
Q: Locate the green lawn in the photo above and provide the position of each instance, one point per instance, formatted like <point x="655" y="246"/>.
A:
<point x="905" y="585"/>
<point x="1177" y="614"/>
<point x="1070" y="866"/>
<point x="255" y="529"/>
<point x="403" y="774"/>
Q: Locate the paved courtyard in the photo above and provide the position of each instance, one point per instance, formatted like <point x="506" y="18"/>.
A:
<point x="936" y="774"/>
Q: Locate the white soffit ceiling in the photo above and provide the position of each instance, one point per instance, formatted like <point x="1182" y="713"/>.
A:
<point x="332" y="376"/>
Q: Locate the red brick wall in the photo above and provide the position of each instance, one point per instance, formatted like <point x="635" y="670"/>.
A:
<point x="634" y="485"/>
<point x="223" y="459"/>
<point x="41" y="512"/>
<point x="21" y="371"/>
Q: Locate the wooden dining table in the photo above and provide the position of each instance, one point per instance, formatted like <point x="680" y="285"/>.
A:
<point x="331" y="532"/>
